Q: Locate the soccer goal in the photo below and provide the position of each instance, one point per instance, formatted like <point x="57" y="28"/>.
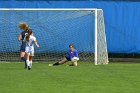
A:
<point x="55" y="29"/>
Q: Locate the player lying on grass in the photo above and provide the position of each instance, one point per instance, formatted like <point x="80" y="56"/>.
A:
<point x="25" y="29"/>
<point x="72" y="56"/>
<point x="29" y="49"/>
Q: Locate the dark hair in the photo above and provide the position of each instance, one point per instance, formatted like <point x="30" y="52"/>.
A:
<point x="71" y="45"/>
<point x="27" y="28"/>
<point x="28" y="35"/>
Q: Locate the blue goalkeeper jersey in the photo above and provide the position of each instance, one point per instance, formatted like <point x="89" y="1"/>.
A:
<point x="72" y="54"/>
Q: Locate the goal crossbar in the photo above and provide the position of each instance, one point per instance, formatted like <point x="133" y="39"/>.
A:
<point x="51" y="9"/>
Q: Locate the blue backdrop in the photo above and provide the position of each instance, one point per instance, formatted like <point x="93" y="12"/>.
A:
<point x="121" y="19"/>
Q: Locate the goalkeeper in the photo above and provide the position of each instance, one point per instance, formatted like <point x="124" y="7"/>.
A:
<point x="72" y="56"/>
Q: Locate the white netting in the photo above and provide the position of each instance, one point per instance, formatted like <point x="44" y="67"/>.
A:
<point x="102" y="54"/>
<point x="54" y="30"/>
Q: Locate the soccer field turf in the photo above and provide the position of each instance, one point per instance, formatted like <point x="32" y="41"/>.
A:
<point x="86" y="78"/>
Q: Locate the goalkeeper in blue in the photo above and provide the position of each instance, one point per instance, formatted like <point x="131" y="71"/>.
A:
<point x="29" y="49"/>
<point x="72" y="55"/>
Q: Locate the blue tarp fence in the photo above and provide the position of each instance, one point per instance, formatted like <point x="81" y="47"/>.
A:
<point x="122" y="19"/>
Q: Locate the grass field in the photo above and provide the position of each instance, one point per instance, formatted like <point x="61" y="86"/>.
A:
<point x="86" y="78"/>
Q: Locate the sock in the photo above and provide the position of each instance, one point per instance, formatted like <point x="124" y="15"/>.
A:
<point x="75" y="63"/>
<point x="57" y="63"/>
<point x="31" y="63"/>
<point x="24" y="59"/>
<point x="28" y="62"/>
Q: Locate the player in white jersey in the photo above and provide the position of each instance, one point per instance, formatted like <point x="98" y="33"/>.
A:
<point x="29" y="50"/>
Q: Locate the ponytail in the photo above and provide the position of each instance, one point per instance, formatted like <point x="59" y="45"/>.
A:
<point x="28" y="35"/>
<point x="27" y="28"/>
<point x="22" y="25"/>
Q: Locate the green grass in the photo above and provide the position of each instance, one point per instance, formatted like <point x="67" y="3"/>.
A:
<point x="86" y="78"/>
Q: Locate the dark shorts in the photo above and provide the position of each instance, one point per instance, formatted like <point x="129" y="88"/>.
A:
<point x="22" y="48"/>
<point x="68" y="58"/>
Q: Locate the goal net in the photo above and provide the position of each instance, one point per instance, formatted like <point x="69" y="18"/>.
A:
<point x="55" y="29"/>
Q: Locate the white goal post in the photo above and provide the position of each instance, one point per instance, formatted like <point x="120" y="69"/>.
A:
<point x="100" y="45"/>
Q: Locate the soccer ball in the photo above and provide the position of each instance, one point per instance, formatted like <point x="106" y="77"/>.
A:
<point x="75" y="59"/>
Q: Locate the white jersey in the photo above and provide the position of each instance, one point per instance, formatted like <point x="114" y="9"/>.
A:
<point x="30" y="45"/>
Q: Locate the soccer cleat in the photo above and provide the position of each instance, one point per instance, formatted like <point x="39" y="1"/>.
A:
<point x="50" y="64"/>
<point x="71" y="65"/>
<point x="29" y="68"/>
<point x="25" y="66"/>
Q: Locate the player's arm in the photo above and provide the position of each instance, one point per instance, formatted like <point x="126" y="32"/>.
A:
<point x="68" y="55"/>
<point x="19" y="37"/>
<point x="36" y="43"/>
<point x="76" y="53"/>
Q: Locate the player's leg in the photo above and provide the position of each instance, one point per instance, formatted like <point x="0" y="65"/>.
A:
<point x="74" y="61"/>
<point x="27" y="51"/>
<point x="64" y="60"/>
<point x="22" y="55"/>
<point x="30" y="60"/>
<point x="27" y="60"/>
<point x="31" y="57"/>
